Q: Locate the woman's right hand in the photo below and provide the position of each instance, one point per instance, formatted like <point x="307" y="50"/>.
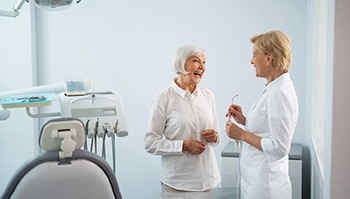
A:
<point x="194" y="147"/>
<point x="236" y="112"/>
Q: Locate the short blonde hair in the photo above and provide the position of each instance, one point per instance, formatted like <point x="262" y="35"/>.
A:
<point x="182" y="54"/>
<point x="277" y="44"/>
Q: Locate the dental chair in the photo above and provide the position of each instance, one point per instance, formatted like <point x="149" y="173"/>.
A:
<point x="63" y="170"/>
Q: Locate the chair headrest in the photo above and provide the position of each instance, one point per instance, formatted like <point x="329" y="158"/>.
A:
<point x="64" y="135"/>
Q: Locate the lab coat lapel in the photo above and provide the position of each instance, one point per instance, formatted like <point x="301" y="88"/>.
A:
<point x="256" y="102"/>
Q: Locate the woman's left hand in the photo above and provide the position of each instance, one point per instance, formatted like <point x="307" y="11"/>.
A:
<point x="233" y="131"/>
<point x="210" y="135"/>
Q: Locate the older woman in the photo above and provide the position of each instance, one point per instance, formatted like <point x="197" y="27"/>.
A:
<point x="183" y="127"/>
<point x="270" y="125"/>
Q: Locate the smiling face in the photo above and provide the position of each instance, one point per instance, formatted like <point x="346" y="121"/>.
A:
<point x="195" y="66"/>
<point x="261" y="63"/>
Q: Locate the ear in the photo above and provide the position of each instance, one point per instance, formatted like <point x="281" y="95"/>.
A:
<point x="269" y="59"/>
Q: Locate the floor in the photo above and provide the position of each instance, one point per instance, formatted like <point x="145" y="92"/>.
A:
<point x="217" y="193"/>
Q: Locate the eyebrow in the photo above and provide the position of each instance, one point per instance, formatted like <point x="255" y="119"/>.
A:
<point x="194" y="56"/>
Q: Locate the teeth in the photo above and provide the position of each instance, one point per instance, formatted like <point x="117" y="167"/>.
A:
<point x="198" y="72"/>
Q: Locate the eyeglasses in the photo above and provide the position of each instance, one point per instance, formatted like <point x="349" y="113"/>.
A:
<point x="233" y="98"/>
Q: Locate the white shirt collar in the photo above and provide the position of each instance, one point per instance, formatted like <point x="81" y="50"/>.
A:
<point x="181" y="91"/>
<point x="277" y="81"/>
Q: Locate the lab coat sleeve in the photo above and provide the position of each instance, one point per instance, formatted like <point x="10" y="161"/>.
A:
<point x="155" y="142"/>
<point x="281" y="113"/>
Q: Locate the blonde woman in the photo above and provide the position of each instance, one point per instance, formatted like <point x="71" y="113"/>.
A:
<point x="270" y="124"/>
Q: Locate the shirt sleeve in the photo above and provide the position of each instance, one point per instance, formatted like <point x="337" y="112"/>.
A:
<point x="280" y="113"/>
<point x="215" y="121"/>
<point x="155" y="142"/>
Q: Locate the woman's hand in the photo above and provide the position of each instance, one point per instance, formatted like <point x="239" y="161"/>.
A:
<point x="233" y="131"/>
<point x="194" y="147"/>
<point x="236" y="112"/>
<point x="210" y="135"/>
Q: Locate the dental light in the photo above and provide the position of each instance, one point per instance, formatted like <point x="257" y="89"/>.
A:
<point x="54" y="5"/>
<point x="50" y="5"/>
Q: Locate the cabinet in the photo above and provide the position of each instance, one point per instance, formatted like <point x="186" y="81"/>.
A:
<point x="229" y="164"/>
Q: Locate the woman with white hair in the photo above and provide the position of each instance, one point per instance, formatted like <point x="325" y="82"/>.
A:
<point x="183" y="127"/>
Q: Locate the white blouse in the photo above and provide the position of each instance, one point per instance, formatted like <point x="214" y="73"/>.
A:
<point x="177" y="115"/>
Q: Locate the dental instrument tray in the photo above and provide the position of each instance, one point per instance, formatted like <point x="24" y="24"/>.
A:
<point x="27" y="100"/>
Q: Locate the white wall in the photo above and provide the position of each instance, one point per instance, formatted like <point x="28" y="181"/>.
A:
<point x="128" y="46"/>
<point x="17" y="142"/>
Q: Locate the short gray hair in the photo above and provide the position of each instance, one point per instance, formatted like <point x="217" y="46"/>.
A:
<point x="182" y="54"/>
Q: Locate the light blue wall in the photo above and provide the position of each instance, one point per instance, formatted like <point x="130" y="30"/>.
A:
<point x="128" y="46"/>
<point x="17" y="142"/>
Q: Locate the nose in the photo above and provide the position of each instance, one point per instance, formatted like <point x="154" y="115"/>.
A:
<point x="251" y="61"/>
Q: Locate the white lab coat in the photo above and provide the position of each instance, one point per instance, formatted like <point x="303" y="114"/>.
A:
<point x="264" y="174"/>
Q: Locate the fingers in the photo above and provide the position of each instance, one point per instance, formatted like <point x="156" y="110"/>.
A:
<point x="227" y="127"/>
<point x="233" y="110"/>
<point x="229" y="110"/>
<point x="210" y="135"/>
<point x="195" y="147"/>
<point x="233" y="131"/>
<point x="236" y="107"/>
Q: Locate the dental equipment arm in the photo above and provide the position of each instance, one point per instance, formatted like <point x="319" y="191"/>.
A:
<point x="14" y="12"/>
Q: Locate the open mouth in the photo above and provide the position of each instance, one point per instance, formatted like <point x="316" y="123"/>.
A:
<point x="198" y="73"/>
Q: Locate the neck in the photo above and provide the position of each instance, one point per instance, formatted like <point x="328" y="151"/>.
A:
<point x="274" y="75"/>
<point x="185" y="85"/>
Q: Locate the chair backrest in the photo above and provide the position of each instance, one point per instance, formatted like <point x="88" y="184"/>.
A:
<point x="63" y="170"/>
